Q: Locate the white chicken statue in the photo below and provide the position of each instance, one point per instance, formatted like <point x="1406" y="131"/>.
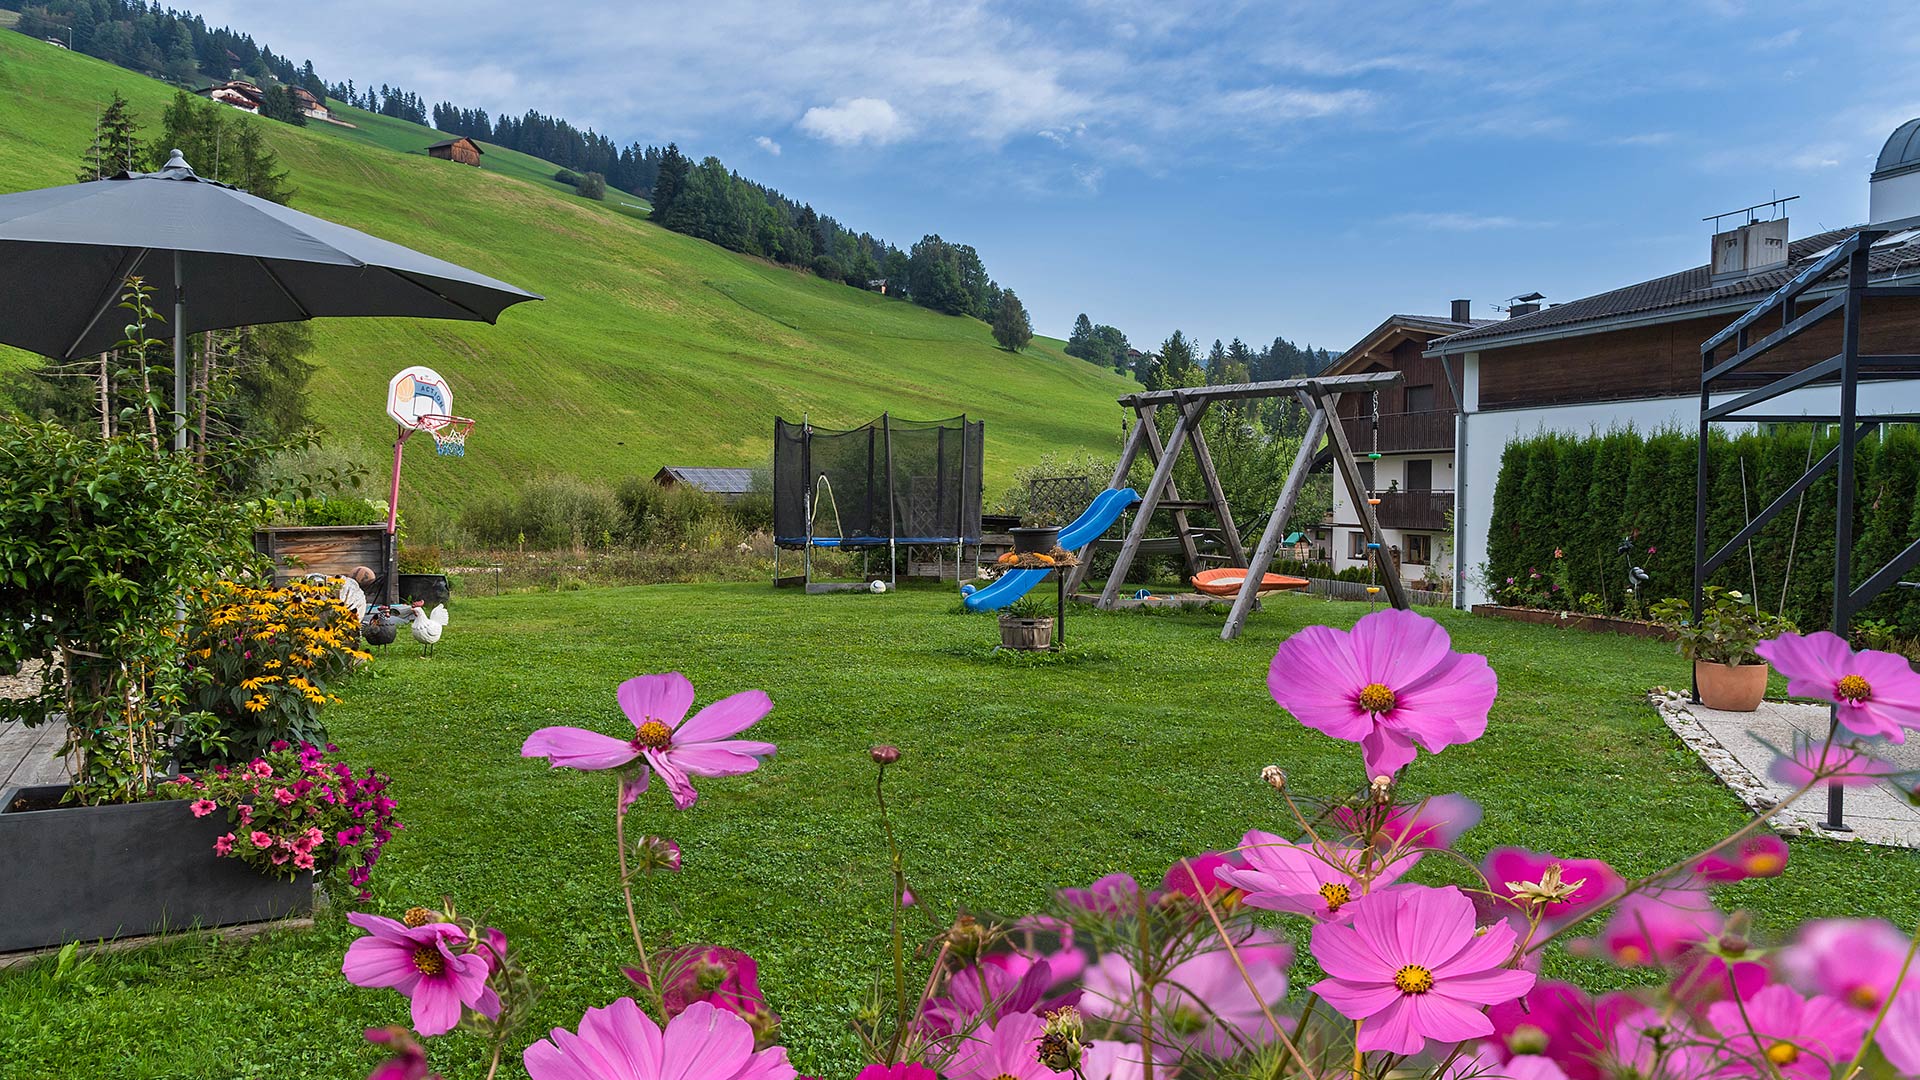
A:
<point x="428" y="626"/>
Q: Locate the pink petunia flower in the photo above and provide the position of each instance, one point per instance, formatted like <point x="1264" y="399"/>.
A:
<point x="1761" y="855"/>
<point x="420" y="962"/>
<point x="1504" y="865"/>
<point x="1802" y="1038"/>
<point x="283" y="796"/>
<point x="619" y="1042"/>
<point x="661" y="743"/>
<point x="1281" y="875"/>
<point x="261" y="839"/>
<point x="1657" y="928"/>
<point x="260" y="768"/>
<point x="1390" y="684"/>
<point x="202" y="807"/>
<point x="1876" y="693"/>
<point x="1855" y="960"/>
<point x="1819" y="761"/>
<point x="223" y="846"/>
<point x="1204" y="1003"/>
<point x="1413" y="967"/>
<point x="303" y="860"/>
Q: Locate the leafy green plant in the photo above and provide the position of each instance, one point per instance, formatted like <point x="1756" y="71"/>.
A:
<point x="420" y="559"/>
<point x="1027" y="607"/>
<point x="261" y="660"/>
<point x="1729" y="626"/>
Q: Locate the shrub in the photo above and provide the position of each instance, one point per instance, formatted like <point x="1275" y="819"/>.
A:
<point x="261" y="660"/>
<point x="337" y="510"/>
<point x="419" y="559"/>
<point x="591" y="186"/>
<point x="550" y="512"/>
<point x="567" y="176"/>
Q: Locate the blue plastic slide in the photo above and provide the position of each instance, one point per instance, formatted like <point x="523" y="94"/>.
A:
<point x="1099" y="517"/>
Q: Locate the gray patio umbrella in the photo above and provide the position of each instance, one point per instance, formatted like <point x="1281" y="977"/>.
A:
<point x="223" y="257"/>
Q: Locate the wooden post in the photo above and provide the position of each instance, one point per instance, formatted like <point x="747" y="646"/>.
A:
<point x="1370" y="524"/>
<point x="1128" y="455"/>
<point x="1276" y="525"/>
<point x="1181" y="527"/>
<point x="1162" y="479"/>
<point x="1221" y="511"/>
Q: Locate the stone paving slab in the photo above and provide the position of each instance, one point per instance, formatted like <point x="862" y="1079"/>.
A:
<point x="1731" y="744"/>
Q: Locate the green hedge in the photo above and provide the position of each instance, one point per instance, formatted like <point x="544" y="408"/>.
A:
<point x="1583" y="495"/>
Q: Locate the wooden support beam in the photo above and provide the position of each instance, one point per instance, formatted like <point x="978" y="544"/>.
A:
<point x="1182" y="527"/>
<point x="1277" y="524"/>
<point x="1344" y="464"/>
<point x="1162" y="478"/>
<point x="1211" y="480"/>
<point x="1335" y="384"/>
<point x="1129" y="453"/>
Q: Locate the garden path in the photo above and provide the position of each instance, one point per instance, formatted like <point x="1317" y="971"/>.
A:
<point x="1735" y="746"/>
<point x="27" y="755"/>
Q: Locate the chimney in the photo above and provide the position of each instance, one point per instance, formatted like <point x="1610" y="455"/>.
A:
<point x="1518" y="310"/>
<point x="1462" y="311"/>
<point x="1748" y="249"/>
<point x="1893" y="191"/>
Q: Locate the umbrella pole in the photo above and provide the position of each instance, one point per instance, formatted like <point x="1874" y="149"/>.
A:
<point x="179" y="357"/>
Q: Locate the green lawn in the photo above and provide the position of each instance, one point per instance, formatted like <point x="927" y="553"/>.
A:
<point x="651" y="348"/>
<point x="1142" y="743"/>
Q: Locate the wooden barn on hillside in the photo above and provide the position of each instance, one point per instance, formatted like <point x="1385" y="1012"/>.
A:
<point x="462" y="149"/>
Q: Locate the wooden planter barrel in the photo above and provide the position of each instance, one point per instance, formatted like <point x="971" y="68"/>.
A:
<point x="1031" y="635"/>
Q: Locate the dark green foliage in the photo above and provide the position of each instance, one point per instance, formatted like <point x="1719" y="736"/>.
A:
<point x="1585" y="496"/>
<point x="591" y="186"/>
<point x="116" y="143"/>
<point x="158" y="40"/>
<point x="1011" y="327"/>
<point x="222" y="144"/>
<point x="279" y="104"/>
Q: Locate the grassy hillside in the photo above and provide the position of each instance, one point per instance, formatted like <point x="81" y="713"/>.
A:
<point x="650" y="348"/>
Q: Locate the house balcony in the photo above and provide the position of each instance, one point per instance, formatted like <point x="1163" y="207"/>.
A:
<point x="1420" y="511"/>
<point x="1403" y="433"/>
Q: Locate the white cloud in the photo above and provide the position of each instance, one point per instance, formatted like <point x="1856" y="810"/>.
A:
<point x="767" y="144"/>
<point x="851" y="121"/>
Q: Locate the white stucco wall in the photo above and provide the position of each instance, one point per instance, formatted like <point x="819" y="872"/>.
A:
<point x="1488" y="433"/>
<point x="1390" y="470"/>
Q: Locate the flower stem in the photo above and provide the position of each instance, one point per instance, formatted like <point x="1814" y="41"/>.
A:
<point x="899" y="901"/>
<point x="626" y="888"/>
<point x="1220" y="928"/>
<point x="493" y="1066"/>
<point x="1146" y="991"/>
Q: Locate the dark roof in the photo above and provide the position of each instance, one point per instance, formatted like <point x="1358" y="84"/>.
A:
<point x="1435" y="326"/>
<point x="718" y="481"/>
<point x="1687" y="290"/>
<point x="443" y="143"/>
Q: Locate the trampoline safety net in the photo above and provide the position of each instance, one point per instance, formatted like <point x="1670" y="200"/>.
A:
<point x="908" y="481"/>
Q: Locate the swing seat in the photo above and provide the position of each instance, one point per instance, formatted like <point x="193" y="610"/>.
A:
<point x="1226" y="581"/>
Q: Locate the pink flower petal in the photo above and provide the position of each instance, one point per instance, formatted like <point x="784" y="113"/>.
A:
<point x="1440" y="1018"/>
<point x="1397" y="648"/>
<point x="677" y="783"/>
<point x="1314" y="677"/>
<point x="1392" y="1030"/>
<point x="1488" y="987"/>
<point x="719" y="758"/>
<point x="665" y="698"/>
<point x="436" y="1007"/>
<point x="1428" y="926"/>
<point x="1342" y="954"/>
<point x="378" y="964"/>
<point x="1356" y="1000"/>
<point x="729" y="716"/>
<point x="578" y="748"/>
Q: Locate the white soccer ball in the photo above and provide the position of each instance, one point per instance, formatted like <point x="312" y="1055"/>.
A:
<point x="877" y="586"/>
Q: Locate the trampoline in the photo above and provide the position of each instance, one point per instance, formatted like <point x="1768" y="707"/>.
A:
<point x="890" y="483"/>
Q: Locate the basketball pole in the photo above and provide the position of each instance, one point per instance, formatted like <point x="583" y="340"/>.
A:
<point x="393" y="492"/>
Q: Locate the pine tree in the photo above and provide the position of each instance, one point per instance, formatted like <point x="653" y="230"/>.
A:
<point x="116" y="142"/>
<point x="1080" y="341"/>
<point x="1216" y="362"/>
<point x="674" y="168"/>
<point x="1011" y="327"/>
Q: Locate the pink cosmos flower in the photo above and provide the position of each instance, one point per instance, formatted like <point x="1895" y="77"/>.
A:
<point x="619" y="1042"/>
<point x="1010" y="984"/>
<point x="1559" y="1021"/>
<point x="409" y="1060"/>
<point x="1877" y="693"/>
<point x="1900" y="1036"/>
<point x="1855" y="960"/>
<point x="659" y="853"/>
<point x="1110" y="894"/>
<point x="1657" y="928"/>
<point x="1762" y="855"/>
<point x="1390" y="684"/>
<point x="1480" y="1065"/>
<point x="1184" y="872"/>
<point x="1513" y="864"/>
<point x="1008" y="1050"/>
<point x="223" y="846"/>
<point x="261" y="839"/>
<point x="1414" y="967"/>
<point x="1802" y="1038"/>
<point x="1204" y="1003"/>
<point x="661" y="743"/>
<point x="726" y="978"/>
<point x="905" y="1070"/>
<point x="1281" y="875"/>
<point x="202" y="807"/>
<point x="1814" y="761"/>
<point x="1110" y="1059"/>
<point x="421" y="963"/>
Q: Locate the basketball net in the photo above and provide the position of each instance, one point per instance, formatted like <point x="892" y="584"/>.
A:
<point x="449" y="434"/>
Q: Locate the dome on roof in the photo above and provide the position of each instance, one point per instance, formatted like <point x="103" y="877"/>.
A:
<point x="1902" y="152"/>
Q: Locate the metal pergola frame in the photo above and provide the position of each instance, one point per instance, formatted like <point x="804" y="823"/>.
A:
<point x="1842" y="369"/>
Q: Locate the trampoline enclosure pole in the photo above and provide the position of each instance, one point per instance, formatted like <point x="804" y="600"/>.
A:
<point x="893" y="560"/>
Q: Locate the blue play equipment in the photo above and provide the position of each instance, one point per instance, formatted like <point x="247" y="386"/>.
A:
<point x="1098" y="518"/>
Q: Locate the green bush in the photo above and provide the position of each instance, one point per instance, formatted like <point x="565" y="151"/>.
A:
<point x="550" y="513"/>
<point x="337" y="510"/>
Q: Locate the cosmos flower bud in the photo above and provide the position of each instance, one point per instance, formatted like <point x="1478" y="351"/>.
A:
<point x="1527" y="1039"/>
<point x="657" y="853"/>
<point x="884" y="754"/>
<point x="967" y="938"/>
<point x="1381" y="789"/>
<point x="1062" y="1040"/>
<point x="1550" y="889"/>
<point x="1275" y="776"/>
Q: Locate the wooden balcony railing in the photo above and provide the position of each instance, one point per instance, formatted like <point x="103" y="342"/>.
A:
<point x="1423" y="511"/>
<point x="1402" y="433"/>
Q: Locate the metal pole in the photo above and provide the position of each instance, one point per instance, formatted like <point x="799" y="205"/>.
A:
<point x="893" y="559"/>
<point x="180" y="356"/>
<point x="1843" y="510"/>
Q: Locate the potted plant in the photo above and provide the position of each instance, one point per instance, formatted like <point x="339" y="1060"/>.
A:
<point x="1037" y="534"/>
<point x="421" y="575"/>
<point x="1025" y="625"/>
<point x="1728" y="673"/>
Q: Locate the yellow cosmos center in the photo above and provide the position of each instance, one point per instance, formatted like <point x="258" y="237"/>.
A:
<point x="653" y="735"/>
<point x="1376" y="698"/>
<point x="1853" y="688"/>
<point x="1783" y="1053"/>
<point x="1867" y="997"/>
<point x="1630" y="954"/>
<point x="1335" y="894"/>
<point x="417" y="916"/>
<point x="1764" y="863"/>
<point x="427" y="961"/>
<point x="1413" y="979"/>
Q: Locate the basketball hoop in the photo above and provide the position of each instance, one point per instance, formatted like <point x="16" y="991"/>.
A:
<point x="449" y="433"/>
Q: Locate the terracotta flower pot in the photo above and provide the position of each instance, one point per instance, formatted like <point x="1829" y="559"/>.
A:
<point x="1730" y="688"/>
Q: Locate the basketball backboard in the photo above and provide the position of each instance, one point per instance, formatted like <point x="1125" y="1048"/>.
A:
<point x="418" y="392"/>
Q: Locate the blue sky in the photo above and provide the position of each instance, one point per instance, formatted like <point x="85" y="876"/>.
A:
<point x="1228" y="169"/>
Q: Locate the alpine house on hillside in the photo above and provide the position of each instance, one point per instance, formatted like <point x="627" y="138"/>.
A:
<point x="1631" y="356"/>
<point x="1412" y="430"/>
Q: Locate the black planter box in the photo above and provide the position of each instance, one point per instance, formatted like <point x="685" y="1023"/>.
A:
<point x="1035" y="539"/>
<point x="429" y="589"/>
<point x="83" y="873"/>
